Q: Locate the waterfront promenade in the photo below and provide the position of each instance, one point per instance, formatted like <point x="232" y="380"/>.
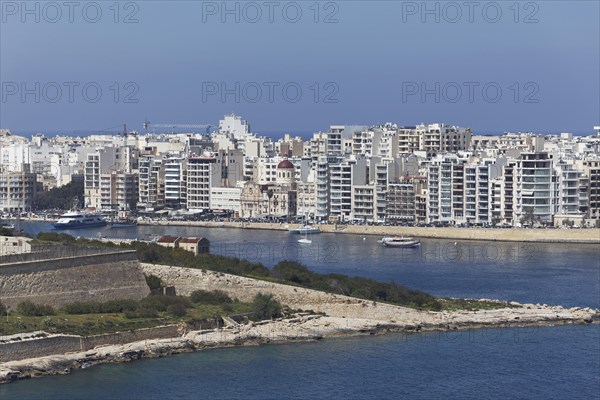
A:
<point x="590" y="236"/>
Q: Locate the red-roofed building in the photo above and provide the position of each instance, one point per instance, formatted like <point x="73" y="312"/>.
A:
<point x="169" y="241"/>
<point x="195" y="245"/>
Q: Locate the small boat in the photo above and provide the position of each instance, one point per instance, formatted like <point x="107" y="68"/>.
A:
<point x="399" y="242"/>
<point x="8" y="225"/>
<point x="123" y="224"/>
<point x="305" y="241"/>
<point x="306" y="230"/>
<point x="79" y="219"/>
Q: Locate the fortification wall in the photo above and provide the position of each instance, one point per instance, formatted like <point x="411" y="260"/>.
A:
<point x="56" y="282"/>
<point x="62" y="344"/>
<point x="186" y="280"/>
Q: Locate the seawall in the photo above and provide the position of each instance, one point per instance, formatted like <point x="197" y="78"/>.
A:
<point x="62" y="344"/>
<point x="586" y="236"/>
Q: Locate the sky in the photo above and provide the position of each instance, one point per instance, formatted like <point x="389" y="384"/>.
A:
<point x="494" y="66"/>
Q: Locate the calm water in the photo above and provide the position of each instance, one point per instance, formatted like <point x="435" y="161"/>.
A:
<point x="540" y="363"/>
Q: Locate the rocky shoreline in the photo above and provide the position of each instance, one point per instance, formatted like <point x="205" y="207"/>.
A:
<point x="331" y="315"/>
<point x="298" y="329"/>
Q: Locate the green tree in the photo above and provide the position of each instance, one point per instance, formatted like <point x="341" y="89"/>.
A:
<point x="154" y="282"/>
<point x="60" y="197"/>
<point x="266" y="307"/>
<point x="528" y="218"/>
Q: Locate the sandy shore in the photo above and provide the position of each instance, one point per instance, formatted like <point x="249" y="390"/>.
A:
<point x="589" y="236"/>
<point x="345" y="316"/>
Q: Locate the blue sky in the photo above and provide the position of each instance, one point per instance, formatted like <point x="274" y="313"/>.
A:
<point x="381" y="61"/>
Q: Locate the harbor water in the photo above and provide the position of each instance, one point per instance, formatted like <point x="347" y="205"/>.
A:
<point x="530" y="363"/>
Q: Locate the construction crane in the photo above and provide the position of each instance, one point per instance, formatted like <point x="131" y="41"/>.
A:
<point x="173" y="127"/>
<point x="111" y="130"/>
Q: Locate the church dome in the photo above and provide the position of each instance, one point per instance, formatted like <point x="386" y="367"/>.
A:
<point x="285" y="164"/>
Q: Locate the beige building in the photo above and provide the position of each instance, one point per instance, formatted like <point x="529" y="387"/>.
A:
<point x="195" y="245"/>
<point x="14" y="245"/>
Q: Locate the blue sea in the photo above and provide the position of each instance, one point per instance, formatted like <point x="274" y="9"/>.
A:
<point x="518" y="363"/>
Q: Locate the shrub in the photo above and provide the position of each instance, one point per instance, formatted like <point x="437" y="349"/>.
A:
<point x="177" y="310"/>
<point x="30" y="309"/>
<point x="154" y="282"/>
<point x="142" y="312"/>
<point x="266" y="307"/>
<point x="3" y="309"/>
<point x="212" y="297"/>
<point x="160" y="303"/>
<point x="227" y="307"/>
<point x="94" y="307"/>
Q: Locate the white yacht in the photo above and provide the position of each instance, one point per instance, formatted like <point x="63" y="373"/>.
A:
<point x="399" y="242"/>
<point x="79" y="219"/>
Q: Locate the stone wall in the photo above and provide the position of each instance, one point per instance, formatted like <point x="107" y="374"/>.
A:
<point x="56" y="282"/>
<point x="61" y="344"/>
<point x="187" y="280"/>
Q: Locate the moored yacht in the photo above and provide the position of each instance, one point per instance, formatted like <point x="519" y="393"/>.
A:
<point x="399" y="242"/>
<point x="79" y="219"/>
<point x="306" y="230"/>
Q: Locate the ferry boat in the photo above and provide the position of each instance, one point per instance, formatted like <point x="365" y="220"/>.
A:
<point x="79" y="219"/>
<point x="306" y="230"/>
<point x="399" y="242"/>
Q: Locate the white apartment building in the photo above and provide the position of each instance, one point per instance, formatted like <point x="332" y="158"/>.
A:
<point x="363" y="203"/>
<point x="235" y="125"/>
<point x="203" y="173"/>
<point x="342" y="177"/>
<point x="534" y="189"/>
<point x="433" y="139"/>
<point x="175" y="177"/>
<point x="226" y="198"/>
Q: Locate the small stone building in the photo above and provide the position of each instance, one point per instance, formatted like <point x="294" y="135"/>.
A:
<point x="195" y="245"/>
<point x="14" y="245"/>
<point x="169" y="241"/>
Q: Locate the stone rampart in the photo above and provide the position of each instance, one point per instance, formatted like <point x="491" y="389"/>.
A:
<point x="62" y="344"/>
<point x="56" y="282"/>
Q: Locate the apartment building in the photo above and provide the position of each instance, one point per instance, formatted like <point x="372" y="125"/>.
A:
<point x="202" y="174"/>
<point x="592" y="172"/>
<point x="175" y="177"/>
<point x="17" y="189"/>
<point x="342" y="177"/>
<point x="151" y="183"/>
<point x="433" y="139"/>
<point x="118" y="191"/>
<point x="533" y="188"/>
<point x="406" y="200"/>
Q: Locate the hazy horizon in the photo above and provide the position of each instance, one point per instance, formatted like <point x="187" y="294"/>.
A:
<point x="499" y="66"/>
